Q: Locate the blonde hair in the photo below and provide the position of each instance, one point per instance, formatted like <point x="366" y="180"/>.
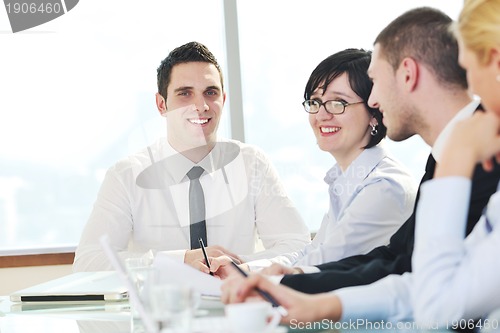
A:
<point x="479" y="27"/>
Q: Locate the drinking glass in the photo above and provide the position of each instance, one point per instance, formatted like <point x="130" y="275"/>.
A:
<point x="139" y="270"/>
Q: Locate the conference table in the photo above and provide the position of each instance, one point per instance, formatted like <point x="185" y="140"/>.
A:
<point x="115" y="317"/>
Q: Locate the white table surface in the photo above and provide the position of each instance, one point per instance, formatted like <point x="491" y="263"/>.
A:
<point x="114" y="318"/>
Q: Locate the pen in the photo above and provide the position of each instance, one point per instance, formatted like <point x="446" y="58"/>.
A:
<point x="202" y="245"/>
<point x="264" y="294"/>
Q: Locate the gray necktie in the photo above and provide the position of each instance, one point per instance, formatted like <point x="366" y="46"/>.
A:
<point x="197" y="226"/>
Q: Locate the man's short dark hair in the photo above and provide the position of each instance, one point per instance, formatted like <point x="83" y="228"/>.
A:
<point x="424" y="35"/>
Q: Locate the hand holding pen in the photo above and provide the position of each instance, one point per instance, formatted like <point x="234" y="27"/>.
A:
<point x="296" y="306"/>
<point x="202" y="245"/>
<point x="264" y="294"/>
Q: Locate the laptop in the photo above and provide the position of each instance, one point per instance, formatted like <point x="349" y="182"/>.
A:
<point x="78" y="287"/>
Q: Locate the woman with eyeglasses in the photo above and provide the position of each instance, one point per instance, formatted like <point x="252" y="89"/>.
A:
<point x="371" y="193"/>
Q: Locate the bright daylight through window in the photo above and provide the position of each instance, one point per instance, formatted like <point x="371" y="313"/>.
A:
<point x="78" y="95"/>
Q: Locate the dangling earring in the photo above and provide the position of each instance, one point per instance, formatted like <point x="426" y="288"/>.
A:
<point x="374" y="130"/>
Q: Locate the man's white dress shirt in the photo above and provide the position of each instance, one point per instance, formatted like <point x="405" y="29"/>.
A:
<point x="369" y="201"/>
<point x="143" y="205"/>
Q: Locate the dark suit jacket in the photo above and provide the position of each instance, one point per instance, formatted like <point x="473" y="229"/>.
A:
<point x="394" y="258"/>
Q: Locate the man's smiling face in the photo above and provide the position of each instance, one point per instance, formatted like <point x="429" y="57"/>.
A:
<point x="194" y="105"/>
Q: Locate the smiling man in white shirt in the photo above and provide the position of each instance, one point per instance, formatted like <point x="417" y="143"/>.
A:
<point x="144" y="202"/>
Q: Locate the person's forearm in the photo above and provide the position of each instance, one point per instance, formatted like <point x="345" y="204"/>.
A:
<point x="315" y="308"/>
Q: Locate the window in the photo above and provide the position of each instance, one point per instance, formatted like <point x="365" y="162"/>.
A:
<point x="281" y="42"/>
<point x="78" y="95"/>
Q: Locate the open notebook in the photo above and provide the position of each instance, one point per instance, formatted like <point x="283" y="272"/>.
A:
<point x="76" y="287"/>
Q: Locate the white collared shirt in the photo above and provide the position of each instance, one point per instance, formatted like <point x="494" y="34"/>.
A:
<point x="466" y="112"/>
<point x="143" y="205"/>
<point x="454" y="279"/>
<point x="369" y="201"/>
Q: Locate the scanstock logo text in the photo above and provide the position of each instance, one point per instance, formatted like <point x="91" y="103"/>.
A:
<point x="26" y="14"/>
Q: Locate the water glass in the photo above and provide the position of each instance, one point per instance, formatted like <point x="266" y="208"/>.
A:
<point x="172" y="306"/>
<point x="140" y="271"/>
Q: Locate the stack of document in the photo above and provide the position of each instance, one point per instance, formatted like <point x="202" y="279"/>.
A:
<point x="178" y="273"/>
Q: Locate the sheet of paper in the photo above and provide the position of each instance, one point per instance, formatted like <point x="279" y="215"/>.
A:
<point x="180" y="273"/>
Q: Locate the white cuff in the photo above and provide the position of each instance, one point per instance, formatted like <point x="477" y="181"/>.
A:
<point x="259" y="264"/>
<point x="309" y="269"/>
<point x="177" y="255"/>
<point x="276" y="279"/>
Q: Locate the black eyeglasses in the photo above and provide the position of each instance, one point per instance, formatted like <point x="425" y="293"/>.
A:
<point x="332" y="106"/>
